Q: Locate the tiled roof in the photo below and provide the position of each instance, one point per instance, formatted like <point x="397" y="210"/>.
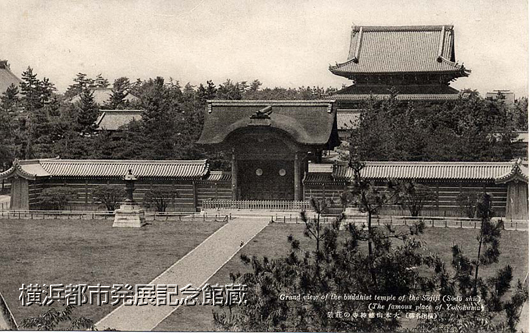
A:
<point x="347" y="119"/>
<point x="102" y="96"/>
<point x="7" y="77"/>
<point x="219" y="176"/>
<point x="427" y="92"/>
<point x="429" y="170"/>
<point x="500" y="172"/>
<point x="320" y="178"/>
<point x="400" y="49"/>
<point x="181" y="169"/>
<point x="111" y="120"/>
<point x="404" y="97"/>
<point x="408" y="89"/>
<point x="319" y="168"/>
<point x="518" y="172"/>
<point x="307" y="122"/>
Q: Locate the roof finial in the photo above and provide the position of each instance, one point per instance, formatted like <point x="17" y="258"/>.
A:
<point x="441" y="46"/>
<point x="358" y="48"/>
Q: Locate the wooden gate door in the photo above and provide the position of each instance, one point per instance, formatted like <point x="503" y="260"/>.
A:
<point x="266" y="180"/>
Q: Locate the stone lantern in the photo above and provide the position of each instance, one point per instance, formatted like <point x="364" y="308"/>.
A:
<point x="129" y="215"/>
<point x="129" y="187"/>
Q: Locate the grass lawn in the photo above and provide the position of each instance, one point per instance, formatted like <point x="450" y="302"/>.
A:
<point x="272" y="243"/>
<point x="89" y="252"/>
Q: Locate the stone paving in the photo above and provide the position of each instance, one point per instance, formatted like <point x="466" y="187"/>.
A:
<point x="195" y="268"/>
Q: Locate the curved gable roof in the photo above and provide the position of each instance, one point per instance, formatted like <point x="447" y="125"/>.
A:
<point x="307" y="122"/>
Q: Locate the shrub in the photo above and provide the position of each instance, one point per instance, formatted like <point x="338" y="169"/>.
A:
<point x="109" y="195"/>
<point x="159" y="198"/>
<point x="56" y="198"/>
<point x="467" y="201"/>
<point x="414" y="197"/>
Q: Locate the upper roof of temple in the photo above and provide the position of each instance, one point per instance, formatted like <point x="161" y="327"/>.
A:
<point x="7" y="77"/>
<point x="398" y="50"/>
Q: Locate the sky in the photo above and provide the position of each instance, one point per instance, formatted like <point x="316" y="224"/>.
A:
<point x="281" y="43"/>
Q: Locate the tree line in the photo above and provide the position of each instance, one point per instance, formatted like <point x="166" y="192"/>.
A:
<point x="36" y="121"/>
<point x="469" y="128"/>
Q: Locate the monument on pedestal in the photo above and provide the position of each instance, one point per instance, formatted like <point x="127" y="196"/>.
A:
<point x="129" y="215"/>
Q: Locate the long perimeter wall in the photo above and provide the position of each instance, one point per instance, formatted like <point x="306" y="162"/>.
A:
<point x="190" y="194"/>
<point x="445" y="203"/>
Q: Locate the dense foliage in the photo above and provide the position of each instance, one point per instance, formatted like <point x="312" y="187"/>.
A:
<point x="37" y="122"/>
<point x="338" y="265"/>
<point x="468" y="129"/>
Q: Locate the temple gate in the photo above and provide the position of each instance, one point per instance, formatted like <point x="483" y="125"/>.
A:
<point x="270" y="143"/>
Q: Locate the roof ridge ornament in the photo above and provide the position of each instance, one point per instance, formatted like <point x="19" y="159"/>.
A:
<point x="441" y="46"/>
<point x="516" y="174"/>
<point x="261" y="117"/>
<point x="358" y="47"/>
<point x="263" y="113"/>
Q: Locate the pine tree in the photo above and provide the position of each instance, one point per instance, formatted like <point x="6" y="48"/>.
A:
<point x="159" y="118"/>
<point x="101" y="82"/>
<point x="8" y="103"/>
<point x="500" y="313"/>
<point x="87" y="112"/>
<point x="120" y="90"/>
<point x="36" y="97"/>
<point x="81" y="82"/>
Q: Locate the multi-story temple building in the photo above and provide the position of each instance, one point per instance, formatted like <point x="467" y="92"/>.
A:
<point x="416" y="62"/>
<point x="276" y="147"/>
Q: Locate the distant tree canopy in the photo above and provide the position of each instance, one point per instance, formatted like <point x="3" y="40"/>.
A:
<point x="38" y="122"/>
<point x="467" y="129"/>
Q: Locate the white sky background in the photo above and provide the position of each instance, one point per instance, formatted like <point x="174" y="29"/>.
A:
<point x="281" y="43"/>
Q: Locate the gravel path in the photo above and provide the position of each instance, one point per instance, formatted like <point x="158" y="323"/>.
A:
<point x="195" y="268"/>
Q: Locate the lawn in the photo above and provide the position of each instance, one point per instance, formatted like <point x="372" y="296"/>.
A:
<point x="272" y="242"/>
<point x="89" y="252"/>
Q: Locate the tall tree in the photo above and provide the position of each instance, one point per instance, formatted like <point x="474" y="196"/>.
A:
<point x="87" y="112"/>
<point x="159" y="118"/>
<point x="120" y="90"/>
<point x="499" y="311"/>
<point x="81" y="81"/>
<point x="38" y="97"/>
<point x="8" y="108"/>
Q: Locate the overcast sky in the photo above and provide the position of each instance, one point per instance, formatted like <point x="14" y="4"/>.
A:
<point x="281" y="43"/>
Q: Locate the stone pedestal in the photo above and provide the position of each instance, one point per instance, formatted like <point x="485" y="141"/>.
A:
<point x="354" y="216"/>
<point x="129" y="216"/>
